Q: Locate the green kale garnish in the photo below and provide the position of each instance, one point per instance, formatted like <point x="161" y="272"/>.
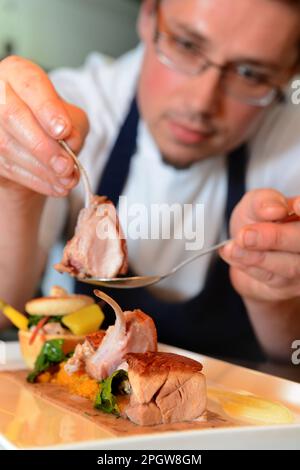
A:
<point x="113" y="385"/>
<point x="33" y="320"/>
<point x="51" y="354"/>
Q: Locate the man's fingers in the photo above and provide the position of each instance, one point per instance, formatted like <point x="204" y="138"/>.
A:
<point x="32" y="121"/>
<point x="265" y="278"/>
<point x="32" y="83"/>
<point x="17" y="155"/>
<point x="18" y="122"/>
<point x="18" y="174"/>
<point x="261" y="285"/>
<point x="282" y="264"/>
<point x="80" y="127"/>
<point x="270" y="236"/>
<point x="263" y="205"/>
<point x="15" y="160"/>
<point x="13" y="172"/>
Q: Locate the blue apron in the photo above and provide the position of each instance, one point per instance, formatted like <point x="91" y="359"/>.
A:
<point x="215" y="321"/>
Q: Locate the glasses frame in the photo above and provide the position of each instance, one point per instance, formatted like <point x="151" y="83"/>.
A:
<point x="275" y="93"/>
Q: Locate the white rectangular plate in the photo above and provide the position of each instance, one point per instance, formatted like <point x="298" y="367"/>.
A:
<point x="25" y="421"/>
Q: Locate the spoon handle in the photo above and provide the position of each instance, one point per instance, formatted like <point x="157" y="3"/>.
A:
<point x="85" y="178"/>
<point x="292" y="217"/>
<point x="196" y="256"/>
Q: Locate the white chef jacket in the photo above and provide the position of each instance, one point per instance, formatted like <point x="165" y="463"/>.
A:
<point x="104" y="89"/>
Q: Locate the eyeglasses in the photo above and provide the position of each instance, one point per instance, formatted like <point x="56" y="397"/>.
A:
<point x="240" y="81"/>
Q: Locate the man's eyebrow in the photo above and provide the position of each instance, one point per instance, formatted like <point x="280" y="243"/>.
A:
<point x="200" y="38"/>
<point x="197" y="36"/>
<point x="256" y="63"/>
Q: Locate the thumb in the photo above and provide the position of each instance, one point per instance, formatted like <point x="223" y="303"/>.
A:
<point x="260" y="205"/>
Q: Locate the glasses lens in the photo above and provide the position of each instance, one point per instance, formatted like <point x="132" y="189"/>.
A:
<point x="248" y="89"/>
<point x="180" y="54"/>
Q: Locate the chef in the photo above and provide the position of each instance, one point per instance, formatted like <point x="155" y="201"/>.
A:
<point x="199" y="114"/>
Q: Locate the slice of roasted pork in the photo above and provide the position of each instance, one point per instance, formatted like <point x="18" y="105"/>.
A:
<point x="165" y="388"/>
<point x="133" y="331"/>
<point x="98" y="248"/>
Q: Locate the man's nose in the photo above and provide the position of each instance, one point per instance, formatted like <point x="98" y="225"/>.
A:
<point x="204" y="93"/>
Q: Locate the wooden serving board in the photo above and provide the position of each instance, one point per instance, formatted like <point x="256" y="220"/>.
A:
<point x="59" y="396"/>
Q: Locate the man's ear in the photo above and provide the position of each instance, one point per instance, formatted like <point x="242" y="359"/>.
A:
<point x="145" y="24"/>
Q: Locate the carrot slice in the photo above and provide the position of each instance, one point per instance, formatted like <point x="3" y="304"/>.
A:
<point x="40" y="325"/>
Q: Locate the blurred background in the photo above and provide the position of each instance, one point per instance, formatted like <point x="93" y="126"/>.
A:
<point x="62" y="32"/>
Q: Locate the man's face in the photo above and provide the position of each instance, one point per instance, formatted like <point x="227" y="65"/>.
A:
<point x="190" y="117"/>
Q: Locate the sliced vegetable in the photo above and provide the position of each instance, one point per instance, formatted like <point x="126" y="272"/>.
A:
<point x="85" y="321"/>
<point x="113" y="385"/>
<point x="17" y="318"/>
<point x="51" y="354"/>
<point x="33" y="320"/>
<point x="38" y="327"/>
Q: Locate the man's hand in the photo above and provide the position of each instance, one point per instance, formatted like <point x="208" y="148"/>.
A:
<point x="32" y="120"/>
<point x="265" y="254"/>
<point x="32" y="166"/>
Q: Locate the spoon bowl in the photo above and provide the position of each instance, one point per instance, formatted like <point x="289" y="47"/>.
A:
<point x="133" y="282"/>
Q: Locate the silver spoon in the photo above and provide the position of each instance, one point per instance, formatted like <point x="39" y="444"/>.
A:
<point x="139" y="281"/>
<point x="85" y="179"/>
<point x="144" y="281"/>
